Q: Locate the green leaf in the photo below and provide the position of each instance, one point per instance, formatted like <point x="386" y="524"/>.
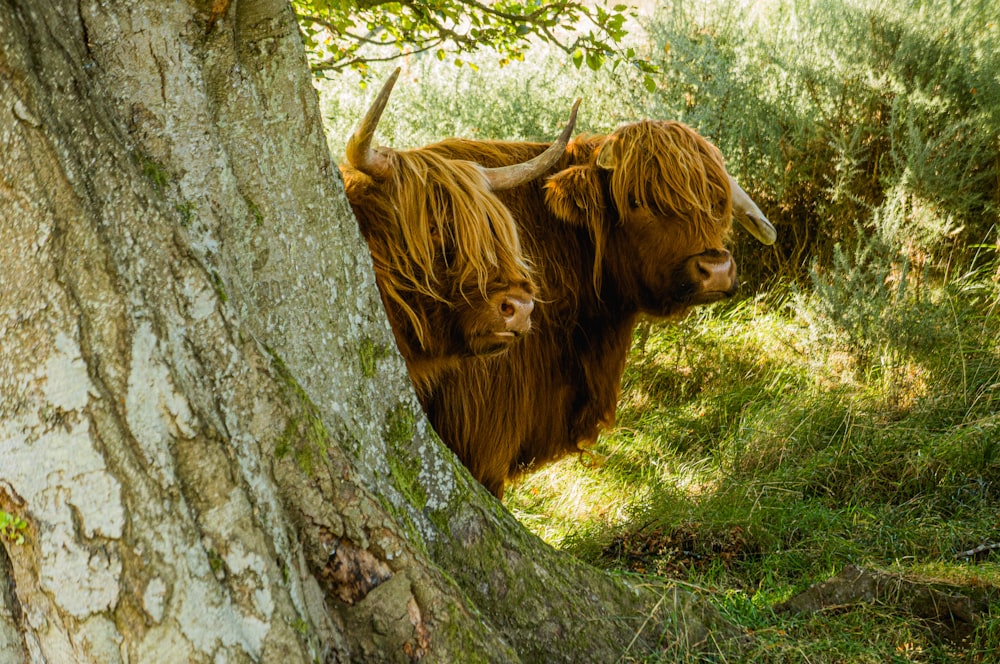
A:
<point x="649" y="83"/>
<point x="615" y="26"/>
<point x="12" y="528"/>
<point x="577" y="58"/>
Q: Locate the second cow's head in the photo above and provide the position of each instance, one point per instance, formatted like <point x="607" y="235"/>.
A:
<point x="658" y="203"/>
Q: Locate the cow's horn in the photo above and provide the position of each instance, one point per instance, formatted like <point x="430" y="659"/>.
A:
<point x="507" y="177"/>
<point x="750" y="216"/>
<point x="360" y="155"/>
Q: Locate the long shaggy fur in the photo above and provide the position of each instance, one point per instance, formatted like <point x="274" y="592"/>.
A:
<point x="668" y="166"/>
<point x="607" y="246"/>
<point x="436" y="230"/>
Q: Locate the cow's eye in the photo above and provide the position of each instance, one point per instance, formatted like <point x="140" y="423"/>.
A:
<point x="634" y="202"/>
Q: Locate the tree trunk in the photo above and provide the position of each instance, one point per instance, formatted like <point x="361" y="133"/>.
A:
<point x="204" y="424"/>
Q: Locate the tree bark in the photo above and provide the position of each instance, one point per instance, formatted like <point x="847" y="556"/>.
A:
<point x="204" y="423"/>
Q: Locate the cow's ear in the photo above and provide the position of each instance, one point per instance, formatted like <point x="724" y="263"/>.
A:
<point x="607" y="156"/>
<point x="574" y="195"/>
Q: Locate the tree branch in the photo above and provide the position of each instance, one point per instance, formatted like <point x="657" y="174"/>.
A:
<point x="462" y="26"/>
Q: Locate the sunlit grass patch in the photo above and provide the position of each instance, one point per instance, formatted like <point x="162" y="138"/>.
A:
<point x="754" y="456"/>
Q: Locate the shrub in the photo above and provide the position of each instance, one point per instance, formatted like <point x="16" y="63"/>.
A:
<point x="836" y="112"/>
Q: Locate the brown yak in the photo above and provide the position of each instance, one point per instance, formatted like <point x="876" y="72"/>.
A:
<point x="626" y="224"/>
<point x="448" y="262"/>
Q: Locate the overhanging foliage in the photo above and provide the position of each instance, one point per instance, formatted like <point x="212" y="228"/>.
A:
<point x="349" y="35"/>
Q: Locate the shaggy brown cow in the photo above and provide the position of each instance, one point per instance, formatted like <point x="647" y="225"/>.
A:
<point x="448" y="262"/>
<point x="629" y="223"/>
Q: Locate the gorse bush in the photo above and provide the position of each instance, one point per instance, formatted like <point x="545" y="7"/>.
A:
<point x="840" y="112"/>
<point x="873" y="302"/>
<point x="855" y="296"/>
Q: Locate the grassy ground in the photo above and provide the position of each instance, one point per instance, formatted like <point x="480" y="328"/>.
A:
<point x="760" y="449"/>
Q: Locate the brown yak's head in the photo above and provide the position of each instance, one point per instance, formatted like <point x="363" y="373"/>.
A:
<point x="447" y="256"/>
<point x="658" y="204"/>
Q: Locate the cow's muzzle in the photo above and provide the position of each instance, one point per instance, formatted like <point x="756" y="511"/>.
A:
<point x="712" y="275"/>
<point x="514" y="307"/>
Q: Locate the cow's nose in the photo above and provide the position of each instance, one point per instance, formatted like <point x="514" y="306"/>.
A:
<point x="515" y="309"/>
<point x="716" y="271"/>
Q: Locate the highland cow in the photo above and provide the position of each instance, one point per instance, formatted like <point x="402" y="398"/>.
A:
<point x="628" y="224"/>
<point x="447" y="257"/>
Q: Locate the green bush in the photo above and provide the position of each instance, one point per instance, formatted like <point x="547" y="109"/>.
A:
<point x="834" y="113"/>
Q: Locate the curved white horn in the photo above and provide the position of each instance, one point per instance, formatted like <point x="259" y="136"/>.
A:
<point x="750" y="216"/>
<point x="508" y="177"/>
<point x="360" y="155"/>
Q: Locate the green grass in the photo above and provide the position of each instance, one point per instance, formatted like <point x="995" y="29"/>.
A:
<point x="758" y="452"/>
